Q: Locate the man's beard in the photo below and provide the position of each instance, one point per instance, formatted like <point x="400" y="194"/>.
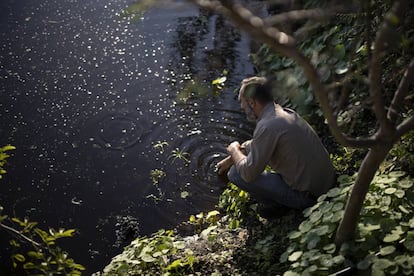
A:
<point x="251" y="117"/>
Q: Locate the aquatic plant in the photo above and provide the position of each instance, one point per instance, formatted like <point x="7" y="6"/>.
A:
<point x="160" y="145"/>
<point x="181" y="155"/>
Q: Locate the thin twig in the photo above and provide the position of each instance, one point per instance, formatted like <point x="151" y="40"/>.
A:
<point x="401" y="92"/>
<point x="19" y="234"/>
<point x="375" y="72"/>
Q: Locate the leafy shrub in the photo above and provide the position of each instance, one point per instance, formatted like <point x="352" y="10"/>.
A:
<point x="43" y="257"/>
<point x="236" y="204"/>
<point x="3" y="157"/>
<point x="152" y="255"/>
<point x="384" y="241"/>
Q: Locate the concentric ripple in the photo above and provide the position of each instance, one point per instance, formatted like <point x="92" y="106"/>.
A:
<point x="118" y="132"/>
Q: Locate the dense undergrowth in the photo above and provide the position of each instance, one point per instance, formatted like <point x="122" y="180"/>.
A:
<point x="242" y="242"/>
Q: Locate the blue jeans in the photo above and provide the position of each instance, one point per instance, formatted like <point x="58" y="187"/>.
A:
<point x="271" y="188"/>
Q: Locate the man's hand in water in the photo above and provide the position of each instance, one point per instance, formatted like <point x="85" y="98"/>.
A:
<point x="224" y="165"/>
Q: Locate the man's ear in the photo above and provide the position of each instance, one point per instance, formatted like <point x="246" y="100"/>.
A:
<point x="251" y="102"/>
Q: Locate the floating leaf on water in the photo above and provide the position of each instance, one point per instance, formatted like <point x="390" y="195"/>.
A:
<point x="219" y="80"/>
<point x="184" y="194"/>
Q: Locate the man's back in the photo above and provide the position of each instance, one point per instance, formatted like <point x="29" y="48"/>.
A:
<point x="290" y="146"/>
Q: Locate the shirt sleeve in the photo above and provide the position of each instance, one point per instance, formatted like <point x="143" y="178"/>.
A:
<point x="246" y="146"/>
<point x="261" y="147"/>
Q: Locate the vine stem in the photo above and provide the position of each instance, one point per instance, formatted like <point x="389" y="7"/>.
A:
<point x="19" y="234"/>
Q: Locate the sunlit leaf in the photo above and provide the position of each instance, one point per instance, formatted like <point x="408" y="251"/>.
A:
<point x="387" y="250"/>
<point x="391" y="237"/>
<point x="19" y="257"/>
<point x="295" y="235"/>
<point x="405" y="183"/>
<point x="295" y="256"/>
<point x="390" y="190"/>
<point x="148" y="258"/>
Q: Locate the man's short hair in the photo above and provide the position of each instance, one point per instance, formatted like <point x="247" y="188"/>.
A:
<point x="257" y="88"/>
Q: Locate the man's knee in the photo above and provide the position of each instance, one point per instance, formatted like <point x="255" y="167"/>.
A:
<point x="232" y="174"/>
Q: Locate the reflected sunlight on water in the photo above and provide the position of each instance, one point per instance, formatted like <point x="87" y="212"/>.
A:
<point x="86" y="94"/>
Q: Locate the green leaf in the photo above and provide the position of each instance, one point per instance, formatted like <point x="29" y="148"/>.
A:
<point x="305" y="226"/>
<point x="219" y="80"/>
<point x="405" y="183"/>
<point x="19" y="257"/>
<point x="381" y="264"/>
<point x="7" y="147"/>
<point x="390" y="190"/>
<point x="396" y="174"/>
<point x="391" y="237"/>
<point x="148" y="258"/>
<point x="295" y="256"/>
<point x="409" y="241"/>
<point x="174" y="265"/>
<point x="387" y="250"/>
<point x="330" y="248"/>
<point x="294" y="235"/>
<point x="315" y="216"/>
<point x="184" y="194"/>
<point x="365" y="263"/>
<point x="313" y="242"/>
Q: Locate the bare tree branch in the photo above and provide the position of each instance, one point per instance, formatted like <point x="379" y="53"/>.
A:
<point x="282" y="43"/>
<point x="290" y="16"/>
<point x="375" y="73"/>
<point x="405" y="126"/>
<point x="297" y="15"/>
<point x="401" y="92"/>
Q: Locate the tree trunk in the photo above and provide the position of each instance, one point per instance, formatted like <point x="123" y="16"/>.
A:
<point x="369" y="166"/>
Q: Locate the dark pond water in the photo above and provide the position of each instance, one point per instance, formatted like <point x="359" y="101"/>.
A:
<point x="86" y="95"/>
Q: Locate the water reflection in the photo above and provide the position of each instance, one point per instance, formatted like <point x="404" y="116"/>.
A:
<point x="86" y="94"/>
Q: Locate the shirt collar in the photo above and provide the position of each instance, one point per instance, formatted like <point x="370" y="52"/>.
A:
<point x="267" y="109"/>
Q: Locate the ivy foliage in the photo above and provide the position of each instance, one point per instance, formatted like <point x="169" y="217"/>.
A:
<point x="384" y="243"/>
<point x="153" y="255"/>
